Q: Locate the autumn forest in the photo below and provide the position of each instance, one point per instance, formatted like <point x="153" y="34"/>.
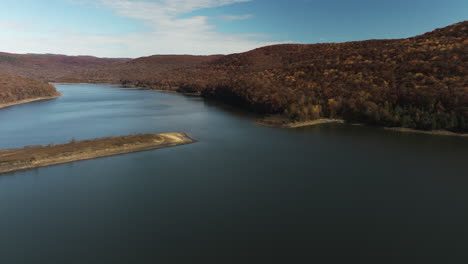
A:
<point x="419" y="82"/>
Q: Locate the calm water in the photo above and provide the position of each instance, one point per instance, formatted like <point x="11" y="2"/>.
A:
<point x="243" y="194"/>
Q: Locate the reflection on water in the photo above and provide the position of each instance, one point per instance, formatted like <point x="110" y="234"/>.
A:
<point x="348" y="193"/>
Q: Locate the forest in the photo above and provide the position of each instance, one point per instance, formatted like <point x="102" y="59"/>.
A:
<point x="14" y="88"/>
<point x="137" y="69"/>
<point x="53" y="68"/>
<point x="419" y="82"/>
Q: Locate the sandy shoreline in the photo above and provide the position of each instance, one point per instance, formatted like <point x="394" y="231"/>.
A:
<point x="161" y="91"/>
<point x="43" y="156"/>
<point x="313" y="123"/>
<point x="281" y="122"/>
<point x="395" y="129"/>
<point x="428" y="132"/>
<point x="278" y="123"/>
<point x="69" y="83"/>
<point x="29" y="101"/>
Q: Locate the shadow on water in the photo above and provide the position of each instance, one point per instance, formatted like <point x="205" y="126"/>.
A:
<point x="243" y="194"/>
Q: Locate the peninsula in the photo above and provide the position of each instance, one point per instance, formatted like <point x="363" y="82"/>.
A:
<point x="19" y="90"/>
<point x="41" y="156"/>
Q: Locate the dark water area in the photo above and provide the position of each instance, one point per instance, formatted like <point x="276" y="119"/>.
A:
<point x="243" y="194"/>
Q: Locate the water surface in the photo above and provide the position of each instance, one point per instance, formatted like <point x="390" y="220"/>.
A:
<point x="243" y="194"/>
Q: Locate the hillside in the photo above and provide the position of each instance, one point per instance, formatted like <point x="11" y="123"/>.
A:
<point x="50" y="67"/>
<point x="419" y="82"/>
<point x="87" y="69"/>
<point x="14" y="89"/>
<point x="141" y="71"/>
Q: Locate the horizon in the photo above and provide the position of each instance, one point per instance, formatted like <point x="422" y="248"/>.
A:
<point x="132" y="29"/>
<point x="207" y="55"/>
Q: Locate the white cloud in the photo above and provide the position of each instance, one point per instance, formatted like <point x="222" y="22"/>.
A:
<point x="171" y="31"/>
<point x="156" y="10"/>
<point x="191" y="35"/>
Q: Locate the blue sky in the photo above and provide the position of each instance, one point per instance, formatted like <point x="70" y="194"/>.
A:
<point x="133" y="28"/>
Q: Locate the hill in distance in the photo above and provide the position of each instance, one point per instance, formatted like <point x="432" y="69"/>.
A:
<point x="144" y="69"/>
<point x="50" y="67"/>
<point x="25" y="76"/>
<point x="419" y="82"/>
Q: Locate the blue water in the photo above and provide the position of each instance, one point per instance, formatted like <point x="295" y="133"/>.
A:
<point x="243" y="194"/>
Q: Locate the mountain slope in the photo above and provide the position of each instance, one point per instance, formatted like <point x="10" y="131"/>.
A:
<point x="49" y="67"/>
<point x="419" y="82"/>
<point x="145" y="68"/>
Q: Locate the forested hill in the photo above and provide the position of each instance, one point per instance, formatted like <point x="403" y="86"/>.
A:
<point x="14" y="88"/>
<point x="419" y="82"/>
<point x="140" y="71"/>
<point x="88" y="69"/>
<point x="50" y="67"/>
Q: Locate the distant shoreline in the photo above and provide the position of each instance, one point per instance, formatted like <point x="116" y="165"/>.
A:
<point x="277" y="123"/>
<point x="71" y="83"/>
<point x="25" y="101"/>
<point x="32" y="157"/>
<point x="427" y="132"/>
<point x="281" y="122"/>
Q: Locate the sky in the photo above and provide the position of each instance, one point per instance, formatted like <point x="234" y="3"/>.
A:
<point x="135" y="28"/>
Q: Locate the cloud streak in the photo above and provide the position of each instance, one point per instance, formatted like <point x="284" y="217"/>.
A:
<point x="188" y="35"/>
<point x="171" y="29"/>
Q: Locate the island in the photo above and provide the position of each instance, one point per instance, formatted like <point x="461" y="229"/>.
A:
<point x="31" y="157"/>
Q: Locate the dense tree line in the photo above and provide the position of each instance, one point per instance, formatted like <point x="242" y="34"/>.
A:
<point x="13" y="88"/>
<point x="56" y="68"/>
<point x="419" y="82"/>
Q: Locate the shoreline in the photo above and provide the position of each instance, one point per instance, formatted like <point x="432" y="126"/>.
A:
<point x="281" y="124"/>
<point x="314" y="122"/>
<point x="33" y="157"/>
<point x="161" y="91"/>
<point x="25" y="101"/>
<point x="427" y="132"/>
<point x="278" y="123"/>
<point x="71" y="83"/>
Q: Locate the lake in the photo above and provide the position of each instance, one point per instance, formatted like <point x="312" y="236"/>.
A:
<point x="243" y="194"/>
